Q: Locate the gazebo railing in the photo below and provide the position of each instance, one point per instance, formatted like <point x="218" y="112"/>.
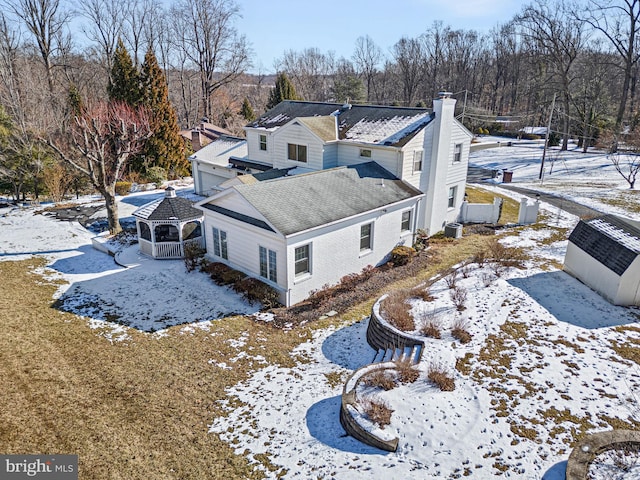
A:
<point x="168" y="250"/>
<point x="146" y="247"/>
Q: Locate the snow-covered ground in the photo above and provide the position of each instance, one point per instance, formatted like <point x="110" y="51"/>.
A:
<point x="541" y="366"/>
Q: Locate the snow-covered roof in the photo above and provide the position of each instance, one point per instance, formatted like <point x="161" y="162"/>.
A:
<point x="612" y="240"/>
<point x="376" y="124"/>
<point x="219" y="151"/>
<point x="170" y="207"/>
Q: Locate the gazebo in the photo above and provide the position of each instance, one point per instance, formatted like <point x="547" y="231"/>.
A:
<point x="165" y="226"/>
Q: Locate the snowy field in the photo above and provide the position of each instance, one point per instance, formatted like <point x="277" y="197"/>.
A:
<point x="544" y="362"/>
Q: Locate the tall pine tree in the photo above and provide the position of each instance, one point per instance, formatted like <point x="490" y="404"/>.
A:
<point x="124" y="80"/>
<point x="165" y="148"/>
<point x="284" y="90"/>
<point x="247" y="111"/>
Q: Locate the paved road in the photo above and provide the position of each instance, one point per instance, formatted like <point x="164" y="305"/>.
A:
<point x="482" y="175"/>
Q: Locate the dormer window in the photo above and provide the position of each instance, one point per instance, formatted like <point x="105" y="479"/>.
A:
<point x="366" y="153"/>
<point x="263" y="143"/>
<point x="297" y="152"/>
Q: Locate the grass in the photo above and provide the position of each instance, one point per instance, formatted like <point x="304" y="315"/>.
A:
<point x="510" y="207"/>
<point x="68" y="390"/>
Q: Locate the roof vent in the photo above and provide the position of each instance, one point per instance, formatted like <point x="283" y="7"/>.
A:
<point x="444" y="94"/>
<point x="170" y="192"/>
<point x="346" y="106"/>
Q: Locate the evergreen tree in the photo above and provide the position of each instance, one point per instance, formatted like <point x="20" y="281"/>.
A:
<point x="247" y="111"/>
<point x="124" y="80"/>
<point x="284" y="90"/>
<point x="165" y="148"/>
<point x="74" y="98"/>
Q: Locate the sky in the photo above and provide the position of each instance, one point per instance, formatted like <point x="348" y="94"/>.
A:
<point x="334" y="25"/>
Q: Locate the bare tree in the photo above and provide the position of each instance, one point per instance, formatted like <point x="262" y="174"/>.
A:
<point x="410" y="59"/>
<point x="367" y="57"/>
<point x="106" y="137"/>
<point x="311" y="72"/>
<point x="560" y="38"/>
<point x="624" y="154"/>
<point x="619" y="22"/>
<point x="45" y="20"/>
<point x="105" y="26"/>
<point x="205" y="32"/>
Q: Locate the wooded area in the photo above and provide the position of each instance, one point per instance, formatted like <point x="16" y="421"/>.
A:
<point x="56" y="55"/>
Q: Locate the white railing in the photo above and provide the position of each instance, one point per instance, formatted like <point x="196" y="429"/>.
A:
<point x="168" y="250"/>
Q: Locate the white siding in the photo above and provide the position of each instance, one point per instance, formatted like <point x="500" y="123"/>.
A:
<point x="206" y="176"/>
<point x="629" y="293"/>
<point x="298" y="135"/>
<point x="592" y="273"/>
<point x="243" y="242"/>
<point x="416" y="143"/>
<point x="335" y="250"/>
<point x="386" y="157"/>
<point x="458" y="170"/>
<point x="330" y="155"/>
<point x="253" y="145"/>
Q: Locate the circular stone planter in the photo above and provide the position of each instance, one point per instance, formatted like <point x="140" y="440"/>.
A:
<point x="594" y="444"/>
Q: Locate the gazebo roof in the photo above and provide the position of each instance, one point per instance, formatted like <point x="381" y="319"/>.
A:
<point x="170" y="207"/>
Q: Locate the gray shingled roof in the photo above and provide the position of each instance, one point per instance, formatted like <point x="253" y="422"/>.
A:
<point x="611" y="240"/>
<point x="301" y="202"/>
<point x="168" y="208"/>
<point x="384" y="125"/>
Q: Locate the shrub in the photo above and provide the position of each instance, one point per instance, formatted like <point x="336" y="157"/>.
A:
<point x="487" y="278"/>
<point x="460" y="330"/>
<point x="451" y="278"/>
<point x="432" y="327"/>
<point x="480" y="258"/>
<point x="402" y="255"/>
<point x="506" y="256"/>
<point x="422" y="293"/>
<point x="222" y="274"/>
<point x="381" y="379"/>
<point x="421" y="241"/>
<point x="459" y="297"/>
<point x="123" y="188"/>
<point x="395" y="310"/>
<point x="439" y="375"/>
<point x="465" y="271"/>
<point x="377" y="410"/>
<point x="193" y="255"/>
<point x="256" y="291"/>
<point x="156" y="175"/>
<point x="407" y="373"/>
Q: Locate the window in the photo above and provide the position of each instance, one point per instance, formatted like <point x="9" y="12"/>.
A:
<point x="452" y="197"/>
<point x="297" y="152"/>
<point x="457" y="153"/>
<point x="191" y="230"/>
<point x="145" y="231"/>
<point x="268" y="267"/>
<point x="406" y="221"/>
<point x="365" y="153"/>
<point x="167" y="233"/>
<point x="263" y="142"/>
<point x="365" y="237"/>
<point x="302" y="260"/>
<point x="220" y="244"/>
<point x="417" y="161"/>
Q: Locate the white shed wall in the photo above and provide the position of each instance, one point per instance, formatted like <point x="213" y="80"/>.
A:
<point x="592" y="273"/>
<point x="629" y="291"/>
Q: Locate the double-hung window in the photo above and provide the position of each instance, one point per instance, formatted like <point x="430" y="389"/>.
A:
<point x="366" y="236"/>
<point x="302" y="260"/>
<point x="220" y="243"/>
<point x="365" y="152"/>
<point x="405" y="225"/>
<point x="263" y="143"/>
<point x="268" y="264"/>
<point x="417" y="161"/>
<point x="297" y="152"/>
<point x="452" y="197"/>
<point x="457" y="153"/>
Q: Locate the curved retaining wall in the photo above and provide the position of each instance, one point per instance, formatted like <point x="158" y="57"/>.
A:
<point x="381" y="335"/>
<point x="351" y="426"/>
<point x="591" y="446"/>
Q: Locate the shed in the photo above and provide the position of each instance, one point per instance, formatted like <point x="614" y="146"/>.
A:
<point x="604" y="253"/>
<point x="167" y="225"/>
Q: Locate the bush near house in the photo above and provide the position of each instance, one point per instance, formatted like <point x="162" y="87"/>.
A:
<point x="222" y="274"/>
<point x="402" y="255"/>
<point x="156" y="175"/>
<point x="254" y="290"/>
<point x="193" y="255"/>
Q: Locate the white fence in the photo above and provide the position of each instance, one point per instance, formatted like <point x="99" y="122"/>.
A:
<point x="481" y="212"/>
<point x="528" y="214"/>
<point x="166" y="250"/>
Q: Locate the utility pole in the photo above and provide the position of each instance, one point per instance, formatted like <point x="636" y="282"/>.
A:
<point x="546" y="137"/>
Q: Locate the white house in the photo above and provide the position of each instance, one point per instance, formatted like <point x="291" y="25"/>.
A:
<point x="329" y="189"/>
<point x="604" y="253"/>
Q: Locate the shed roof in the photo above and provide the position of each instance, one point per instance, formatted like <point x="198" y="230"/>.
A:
<point x="383" y="125"/>
<point x="301" y="202"/>
<point x="611" y="240"/>
<point x="169" y="207"/>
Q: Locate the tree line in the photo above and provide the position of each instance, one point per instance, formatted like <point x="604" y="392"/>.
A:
<point x="187" y="61"/>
